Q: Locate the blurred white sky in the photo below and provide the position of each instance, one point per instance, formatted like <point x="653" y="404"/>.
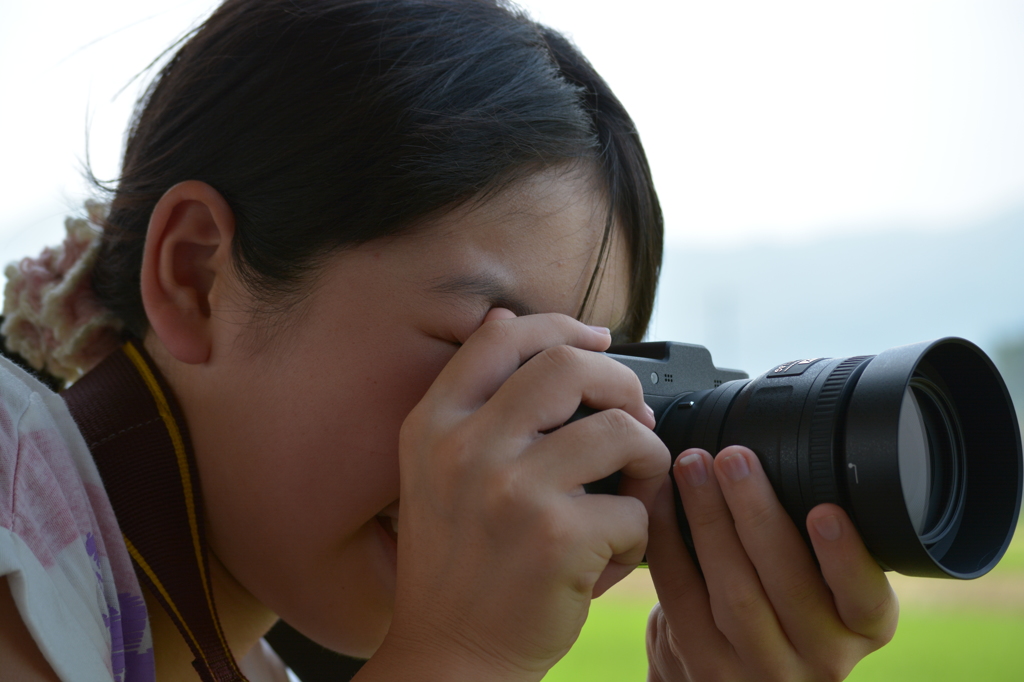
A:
<point x="762" y="120"/>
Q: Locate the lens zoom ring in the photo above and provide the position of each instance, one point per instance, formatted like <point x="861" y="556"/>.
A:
<point x="823" y="430"/>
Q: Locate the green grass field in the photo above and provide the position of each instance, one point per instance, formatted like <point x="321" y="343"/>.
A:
<point x="928" y="647"/>
<point x="938" y="640"/>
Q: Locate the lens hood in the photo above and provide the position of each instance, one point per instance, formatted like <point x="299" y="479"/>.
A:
<point x="932" y="457"/>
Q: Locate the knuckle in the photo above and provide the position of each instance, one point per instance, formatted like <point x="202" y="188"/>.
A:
<point x="709" y="516"/>
<point x="552" y="527"/>
<point x="800" y="590"/>
<point x="616" y="422"/>
<point x="627" y="385"/>
<point x="740" y="599"/>
<point x="504" y="490"/>
<point x="634" y="514"/>
<point x="758" y="514"/>
<point x="636" y="509"/>
<point x="887" y="607"/>
<point x="881" y="619"/>
<point x="886" y="635"/>
<point x="551" y="533"/>
<point x="563" y="358"/>
<point x="634" y="385"/>
<point x="626" y="380"/>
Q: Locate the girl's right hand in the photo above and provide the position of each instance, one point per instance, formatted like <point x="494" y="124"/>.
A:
<point x="499" y="549"/>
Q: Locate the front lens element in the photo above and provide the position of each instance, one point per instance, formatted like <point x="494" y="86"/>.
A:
<point x="931" y="460"/>
<point x="948" y="462"/>
<point x="915" y="462"/>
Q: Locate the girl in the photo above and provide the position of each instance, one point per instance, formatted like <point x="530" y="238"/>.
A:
<point x="362" y="254"/>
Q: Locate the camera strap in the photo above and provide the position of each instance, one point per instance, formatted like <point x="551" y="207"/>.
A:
<point x="136" y="433"/>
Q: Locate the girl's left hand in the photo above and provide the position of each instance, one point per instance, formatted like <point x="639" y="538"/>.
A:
<point x="764" y="610"/>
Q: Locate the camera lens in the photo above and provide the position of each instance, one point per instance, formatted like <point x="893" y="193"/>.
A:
<point x="920" y="444"/>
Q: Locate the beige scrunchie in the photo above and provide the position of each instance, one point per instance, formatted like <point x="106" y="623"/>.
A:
<point x="51" y="315"/>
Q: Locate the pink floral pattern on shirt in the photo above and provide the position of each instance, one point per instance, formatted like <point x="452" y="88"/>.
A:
<point x="60" y="540"/>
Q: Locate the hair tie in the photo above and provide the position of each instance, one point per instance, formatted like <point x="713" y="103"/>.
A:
<point x="52" y="317"/>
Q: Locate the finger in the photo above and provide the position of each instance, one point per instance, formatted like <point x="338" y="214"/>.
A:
<point x="497" y="349"/>
<point x="791" y="579"/>
<point x="569" y="376"/>
<point x="741" y="608"/>
<point x="863" y="597"/>
<point x="646" y="489"/>
<point x="615" y="529"/>
<point x="498" y="314"/>
<point x="598" y="446"/>
<point x="685" y="606"/>
<point x="664" y="663"/>
<point x="676" y="578"/>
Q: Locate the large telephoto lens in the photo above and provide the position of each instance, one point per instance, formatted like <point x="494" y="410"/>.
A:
<point x="919" y="444"/>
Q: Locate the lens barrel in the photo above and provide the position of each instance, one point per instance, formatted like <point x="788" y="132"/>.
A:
<point x="919" y="444"/>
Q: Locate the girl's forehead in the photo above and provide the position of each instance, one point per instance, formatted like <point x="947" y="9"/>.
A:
<point x="554" y="204"/>
<point x="538" y="242"/>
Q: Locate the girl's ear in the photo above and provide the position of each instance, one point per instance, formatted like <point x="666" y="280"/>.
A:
<point x="186" y="268"/>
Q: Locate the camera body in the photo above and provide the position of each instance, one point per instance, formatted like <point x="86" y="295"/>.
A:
<point x="668" y="368"/>
<point x="919" y="444"/>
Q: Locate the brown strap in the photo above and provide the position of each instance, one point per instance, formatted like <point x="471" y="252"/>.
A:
<point x="136" y="433"/>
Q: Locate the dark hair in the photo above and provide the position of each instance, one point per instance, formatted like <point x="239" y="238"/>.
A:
<point x="329" y="123"/>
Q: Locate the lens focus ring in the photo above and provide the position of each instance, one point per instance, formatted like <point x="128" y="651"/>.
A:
<point x="824" y="436"/>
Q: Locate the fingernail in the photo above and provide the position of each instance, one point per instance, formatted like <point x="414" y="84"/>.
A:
<point x="828" y="527"/>
<point x="601" y="330"/>
<point x="735" y="465"/>
<point x="693" y="469"/>
<point x="650" y="410"/>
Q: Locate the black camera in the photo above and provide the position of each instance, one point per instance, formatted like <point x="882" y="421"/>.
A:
<point x="919" y="444"/>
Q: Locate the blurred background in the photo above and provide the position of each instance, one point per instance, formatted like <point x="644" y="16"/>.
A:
<point x="837" y="179"/>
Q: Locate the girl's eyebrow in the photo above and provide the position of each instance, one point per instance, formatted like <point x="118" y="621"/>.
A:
<point x="482" y="286"/>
